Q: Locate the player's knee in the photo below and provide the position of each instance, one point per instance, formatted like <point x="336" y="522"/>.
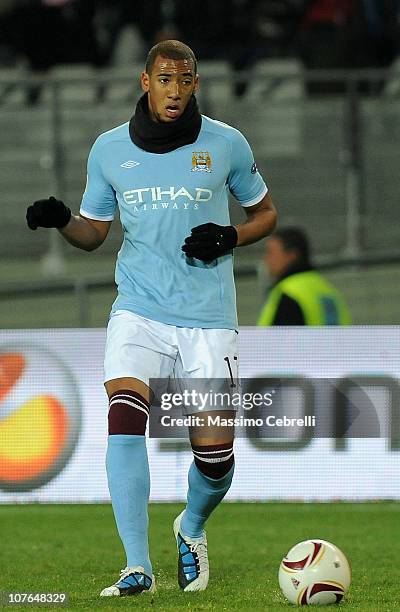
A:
<point x="128" y="413"/>
<point x="214" y="461"/>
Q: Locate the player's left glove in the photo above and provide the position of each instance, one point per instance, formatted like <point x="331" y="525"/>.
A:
<point x="209" y="241"/>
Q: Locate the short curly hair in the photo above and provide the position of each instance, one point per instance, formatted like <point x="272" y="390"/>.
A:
<point x="171" y="49"/>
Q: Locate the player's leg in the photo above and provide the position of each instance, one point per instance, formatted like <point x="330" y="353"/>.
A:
<point x="130" y="349"/>
<point x="210" y="355"/>
<point x="210" y="477"/>
<point x="211" y="472"/>
<point x="129" y="480"/>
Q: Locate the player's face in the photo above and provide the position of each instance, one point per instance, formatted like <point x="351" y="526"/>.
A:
<point x="276" y="258"/>
<point x="170" y="86"/>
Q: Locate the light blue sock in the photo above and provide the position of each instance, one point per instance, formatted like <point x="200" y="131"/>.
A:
<point x="129" y="484"/>
<point x="204" y="495"/>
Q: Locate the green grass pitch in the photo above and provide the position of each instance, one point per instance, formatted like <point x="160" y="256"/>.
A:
<point x="75" y="549"/>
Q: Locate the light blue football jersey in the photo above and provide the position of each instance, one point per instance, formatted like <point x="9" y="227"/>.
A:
<point x="161" y="197"/>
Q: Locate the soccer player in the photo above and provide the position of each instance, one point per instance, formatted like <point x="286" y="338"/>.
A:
<point x="169" y="170"/>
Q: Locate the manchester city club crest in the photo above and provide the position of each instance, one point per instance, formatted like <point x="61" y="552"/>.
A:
<point x="201" y="161"/>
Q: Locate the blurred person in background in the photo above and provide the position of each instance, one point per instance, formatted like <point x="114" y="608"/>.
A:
<point x="277" y="24"/>
<point x="222" y="30"/>
<point x="7" y="43"/>
<point x="348" y="34"/>
<point x="299" y="295"/>
<point x="52" y="32"/>
<point x="112" y="17"/>
<point x="219" y="30"/>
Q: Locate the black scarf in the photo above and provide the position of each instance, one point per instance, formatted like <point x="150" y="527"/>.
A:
<point x="160" y="137"/>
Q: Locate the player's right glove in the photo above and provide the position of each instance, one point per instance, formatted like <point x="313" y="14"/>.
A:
<point x="48" y="213"/>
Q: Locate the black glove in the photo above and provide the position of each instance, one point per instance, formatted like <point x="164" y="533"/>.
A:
<point x="48" y="213"/>
<point x="209" y="241"/>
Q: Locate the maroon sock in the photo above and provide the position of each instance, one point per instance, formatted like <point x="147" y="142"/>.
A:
<point x="214" y="461"/>
<point x="128" y="413"/>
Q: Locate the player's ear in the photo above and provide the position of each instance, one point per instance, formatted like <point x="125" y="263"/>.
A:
<point x="144" y="81"/>
<point x="196" y="84"/>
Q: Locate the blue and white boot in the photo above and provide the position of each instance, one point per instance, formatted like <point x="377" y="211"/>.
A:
<point x="132" y="581"/>
<point x="193" y="569"/>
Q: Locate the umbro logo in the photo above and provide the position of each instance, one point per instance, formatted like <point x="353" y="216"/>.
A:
<point x="130" y="164"/>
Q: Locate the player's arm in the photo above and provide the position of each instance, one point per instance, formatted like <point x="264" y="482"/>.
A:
<point x="81" y="232"/>
<point x="209" y="240"/>
<point x="261" y="221"/>
<point x="86" y="234"/>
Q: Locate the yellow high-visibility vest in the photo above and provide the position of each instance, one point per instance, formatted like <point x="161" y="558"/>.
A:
<point x="319" y="301"/>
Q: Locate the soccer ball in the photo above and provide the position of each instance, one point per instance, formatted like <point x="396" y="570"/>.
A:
<point x="314" y="572"/>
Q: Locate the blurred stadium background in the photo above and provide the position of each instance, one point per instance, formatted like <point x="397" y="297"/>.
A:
<point x="326" y="142"/>
<point x="315" y="87"/>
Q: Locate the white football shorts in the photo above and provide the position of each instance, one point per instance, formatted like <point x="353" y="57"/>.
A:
<point x="145" y="349"/>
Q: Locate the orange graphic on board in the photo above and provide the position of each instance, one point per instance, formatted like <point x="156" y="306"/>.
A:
<point x="38" y="429"/>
